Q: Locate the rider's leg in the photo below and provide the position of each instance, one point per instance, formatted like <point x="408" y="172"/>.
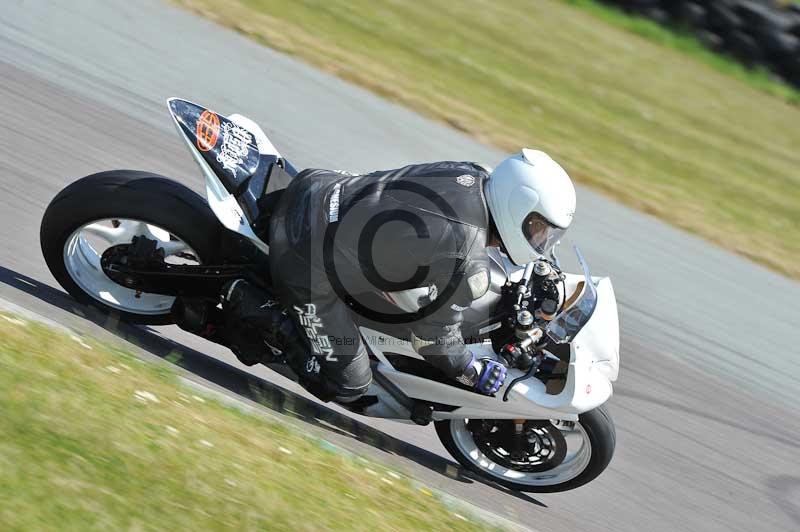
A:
<point x="256" y="328"/>
<point x="333" y="363"/>
<point x="336" y="364"/>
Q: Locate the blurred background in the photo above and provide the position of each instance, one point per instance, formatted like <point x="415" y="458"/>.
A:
<point x="676" y="108"/>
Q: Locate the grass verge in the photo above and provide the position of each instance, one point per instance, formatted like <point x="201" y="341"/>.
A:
<point x="94" y="439"/>
<point x="645" y="123"/>
<point x="687" y="43"/>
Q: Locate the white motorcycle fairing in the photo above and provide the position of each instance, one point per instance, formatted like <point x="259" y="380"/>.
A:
<point x="222" y="202"/>
<point x="594" y="351"/>
<point x="593" y="366"/>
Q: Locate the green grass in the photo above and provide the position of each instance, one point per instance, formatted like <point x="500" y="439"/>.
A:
<point x="94" y="439"/>
<point x="653" y="125"/>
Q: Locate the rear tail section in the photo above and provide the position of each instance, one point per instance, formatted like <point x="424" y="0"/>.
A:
<point x="240" y="164"/>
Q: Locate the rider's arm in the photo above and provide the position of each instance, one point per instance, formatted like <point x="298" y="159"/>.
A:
<point x="438" y="337"/>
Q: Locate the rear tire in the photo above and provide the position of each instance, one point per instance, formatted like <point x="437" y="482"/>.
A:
<point x="600" y="435"/>
<point x="134" y="195"/>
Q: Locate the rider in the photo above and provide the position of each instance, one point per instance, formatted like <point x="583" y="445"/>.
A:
<point x="336" y="239"/>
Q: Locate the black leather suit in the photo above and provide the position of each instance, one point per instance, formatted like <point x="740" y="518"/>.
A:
<point x="341" y="246"/>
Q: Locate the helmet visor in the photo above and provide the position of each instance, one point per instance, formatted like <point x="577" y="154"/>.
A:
<point x="541" y="234"/>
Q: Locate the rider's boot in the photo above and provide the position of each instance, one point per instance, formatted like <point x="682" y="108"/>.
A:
<point x="485" y="376"/>
<point x="199" y="316"/>
<point x="254" y="324"/>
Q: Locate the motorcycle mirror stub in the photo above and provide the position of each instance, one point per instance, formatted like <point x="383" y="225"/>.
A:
<point x="553" y="256"/>
<point x="229" y="149"/>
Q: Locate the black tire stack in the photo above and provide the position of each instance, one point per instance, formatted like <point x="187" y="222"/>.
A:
<point x="763" y="33"/>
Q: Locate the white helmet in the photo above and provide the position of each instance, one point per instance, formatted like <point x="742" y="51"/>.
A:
<point x="532" y="201"/>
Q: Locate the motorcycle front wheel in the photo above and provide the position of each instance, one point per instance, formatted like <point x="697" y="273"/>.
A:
<point x="110" y="208"/>
<point x="534" y="456"/>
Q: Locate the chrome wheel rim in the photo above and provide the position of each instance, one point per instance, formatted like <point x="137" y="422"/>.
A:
<point x="85" y="246"/>
<point x="577" y="457"/>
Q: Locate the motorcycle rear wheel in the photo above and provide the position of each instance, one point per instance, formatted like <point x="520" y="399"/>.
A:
<point x="109" y="208"/>
<point x="589" y="448"/>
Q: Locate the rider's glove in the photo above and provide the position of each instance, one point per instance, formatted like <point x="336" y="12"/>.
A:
<point x="485" y="376"/>
<point x="491" y="377"/>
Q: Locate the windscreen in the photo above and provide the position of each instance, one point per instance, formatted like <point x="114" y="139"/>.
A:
<point x="566" y="325"/>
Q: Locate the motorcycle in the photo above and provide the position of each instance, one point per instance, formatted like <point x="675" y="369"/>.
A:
<point x="132" y="242"/>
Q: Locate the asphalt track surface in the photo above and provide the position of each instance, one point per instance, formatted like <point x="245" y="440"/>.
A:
<point x="705" y="408"/>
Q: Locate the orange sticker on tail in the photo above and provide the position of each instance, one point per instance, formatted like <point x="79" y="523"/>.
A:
<point x="207" y="130"/>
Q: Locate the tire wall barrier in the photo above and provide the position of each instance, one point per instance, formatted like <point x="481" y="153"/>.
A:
<point x="763" y="33"/>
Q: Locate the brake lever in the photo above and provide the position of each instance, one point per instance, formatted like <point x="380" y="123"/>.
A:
<point x="538" y="361"/>
<point x="528" y="374"/>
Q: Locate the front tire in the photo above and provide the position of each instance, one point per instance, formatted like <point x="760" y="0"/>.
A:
<point x="593" y="439"/>
<point x="150" y="204"/>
